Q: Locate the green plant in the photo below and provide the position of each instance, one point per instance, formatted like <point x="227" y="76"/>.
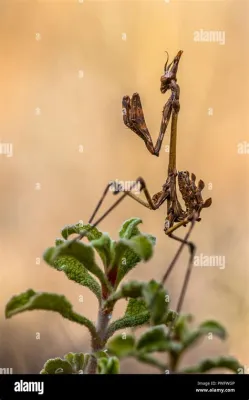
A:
<point x="148" y="305"/>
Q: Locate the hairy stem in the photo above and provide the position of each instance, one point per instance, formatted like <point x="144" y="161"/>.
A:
<point x="173" y="363"/>
<point x="98" y="344"/>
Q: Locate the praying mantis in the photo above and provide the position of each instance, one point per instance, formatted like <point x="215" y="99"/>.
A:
<point x="133" y="118"/>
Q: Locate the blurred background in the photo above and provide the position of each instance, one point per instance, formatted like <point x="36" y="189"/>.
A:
<point x="65" y="66"/>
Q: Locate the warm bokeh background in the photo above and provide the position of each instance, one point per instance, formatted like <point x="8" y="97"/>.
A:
<point x="46" y="74"/>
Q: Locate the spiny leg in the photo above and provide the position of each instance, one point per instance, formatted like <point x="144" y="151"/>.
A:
<point x="153" y="203"/>
<point x="184" y="242"/>
<point x="178" y="253"/>
<point x="116" y="189"/>
<point x="100" y="202"/>
<point x="192" y="249"/>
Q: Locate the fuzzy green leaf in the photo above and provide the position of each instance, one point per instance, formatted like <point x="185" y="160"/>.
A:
<point x="100" y="354"/>
<point x="129" y="228"/>
<point x="229" y="363"/>
<point x="69" y="230"/>
<point x="156" y="298"/>
<point x="76" y="272"/>
<point x="83" y="253"/>
<point x="129" y="252"/>
<point x="148" y="359"/>
<point x="31" y="300"/>
<point x="136" y="307"/>
<point x="76" y="360"/>
<point x="122" y="345"/>
<point x="136" y="314"/>
<point x="59" y="241"/>
<point x="141" y="245"/>
<point x="69" y="357"/>
<point x="104" y="247"/>
<point x="79" y="361"/>
<point x="171" y="317"/>
<point x="131" y="289"/>
<point x="155" y="339"/>
<point x="181" y="327"/>
<point x="100" y="241"/>
<point x="57" y="366"/>
<point x="128" y="321"/>
<point x="213" y="327"/>
<point x="190" y="339"/>
<point x="126" y="258"/>
<point x="91" y="233"/>
<point x="87" y="357"/>
<point x="108" y="365"/>
<point x="206" y="328"/>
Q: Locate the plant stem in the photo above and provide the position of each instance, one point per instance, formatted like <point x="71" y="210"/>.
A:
<point x="102" y="323"/>
<point x="91" y="366"/>
<point x="173" y="363"/>
<point x="99" y="343"/>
